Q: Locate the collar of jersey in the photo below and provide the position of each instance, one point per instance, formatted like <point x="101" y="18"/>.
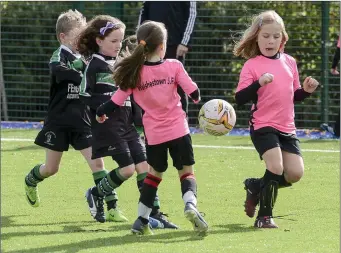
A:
<point x="149" y="63"/>
<point x="276" y="56"/>
<point x="104" y="57"/>
<point x="70" y="51"/>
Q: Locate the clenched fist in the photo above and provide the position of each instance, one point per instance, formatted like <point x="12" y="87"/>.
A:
<point x="310" y="84"/>
<point x="181" y="51"/>
<point x="265" y="79"/>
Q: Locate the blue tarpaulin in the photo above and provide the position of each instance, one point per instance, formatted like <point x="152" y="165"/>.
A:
<point x="301" y="133"/>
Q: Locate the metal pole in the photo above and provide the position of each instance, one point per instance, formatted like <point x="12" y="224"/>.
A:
<point x="3" y="99"/>
<point x="325" y="62"/>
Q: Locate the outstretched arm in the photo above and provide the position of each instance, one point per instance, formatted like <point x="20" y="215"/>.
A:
<point x="106" y="108"/>
<point x="116" y="101"/>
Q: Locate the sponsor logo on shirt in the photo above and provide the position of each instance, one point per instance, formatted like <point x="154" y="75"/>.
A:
<point x="73" y="91"/>
<point x="146" y="85"/>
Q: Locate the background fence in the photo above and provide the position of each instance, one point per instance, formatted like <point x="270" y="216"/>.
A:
<point x="28" y="40"/>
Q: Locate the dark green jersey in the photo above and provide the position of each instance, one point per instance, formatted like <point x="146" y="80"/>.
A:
<point x="64" y="108"/>
<point x="97" y="87"/>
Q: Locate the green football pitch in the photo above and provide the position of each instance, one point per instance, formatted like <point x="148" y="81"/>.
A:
<point x="310" y="209"/>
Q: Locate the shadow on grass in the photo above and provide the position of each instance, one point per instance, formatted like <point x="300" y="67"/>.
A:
<point x="31" y="147"/>
<point x="82" y="227"/>
<point x="164" y="237"/>
<point x="8" y="221"/>
<point x="238" y="228"/>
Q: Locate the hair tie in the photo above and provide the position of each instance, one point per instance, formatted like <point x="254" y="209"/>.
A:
<point x="109" y="25"/>
<point x="142" y="42"/>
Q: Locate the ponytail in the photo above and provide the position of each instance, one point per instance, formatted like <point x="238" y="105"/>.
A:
<point x="127" y="71"/>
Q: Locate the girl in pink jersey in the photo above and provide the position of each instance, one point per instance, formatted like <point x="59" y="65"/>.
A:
<point x="101" y="42"/>
<point x="269" y="78"/>
<point x="153" y="83"/>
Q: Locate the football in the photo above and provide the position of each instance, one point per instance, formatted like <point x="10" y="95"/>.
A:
<point x="217" y="117"/>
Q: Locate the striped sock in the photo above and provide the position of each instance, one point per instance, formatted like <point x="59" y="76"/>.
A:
<point x="189" y="188"/>
<point x="99" y="175"/>
<point x="111" y="198"/>
<point x="147" y="197"/>
<point x="34" y="177"/>
<point x="149" y="189"/>
<point x="110" y="182"/>
<point x="156" y="205"/>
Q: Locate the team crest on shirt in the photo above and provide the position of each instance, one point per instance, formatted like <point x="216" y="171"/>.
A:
<point x="50" y="137"/>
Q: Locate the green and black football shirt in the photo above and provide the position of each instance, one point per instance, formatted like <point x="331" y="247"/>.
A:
<point x="65" y="109"/>
<point x="97" y="87"/>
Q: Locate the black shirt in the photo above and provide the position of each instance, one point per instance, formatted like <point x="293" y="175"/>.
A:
<point x="65" y="109"/>
<point x="97" y="88"/>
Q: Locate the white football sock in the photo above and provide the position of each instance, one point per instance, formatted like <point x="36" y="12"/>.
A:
<point x="189" y="197"/>
<point x="143" y="211"/>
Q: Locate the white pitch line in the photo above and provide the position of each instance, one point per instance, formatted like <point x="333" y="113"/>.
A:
<point x="15" y="139"/>
<point x="210" y="146"/>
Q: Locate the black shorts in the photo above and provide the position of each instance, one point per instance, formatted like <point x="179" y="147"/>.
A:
<point x="59" y="139"/>
<point x="123" y="153"/>
<point x="267" y="138"/>
<point x="180" y="150"/>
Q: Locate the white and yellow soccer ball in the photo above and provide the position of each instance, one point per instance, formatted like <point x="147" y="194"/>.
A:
<point x="217" y="117"/>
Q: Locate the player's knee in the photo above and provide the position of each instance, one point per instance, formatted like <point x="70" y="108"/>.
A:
<point x="50" y="170"/>
<point x="295" y="175"/>
<point x="142" y="167"/>
<point x="186" y="170"/>
<point x="97" y="164"/>
<point x="128" y="171"/>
